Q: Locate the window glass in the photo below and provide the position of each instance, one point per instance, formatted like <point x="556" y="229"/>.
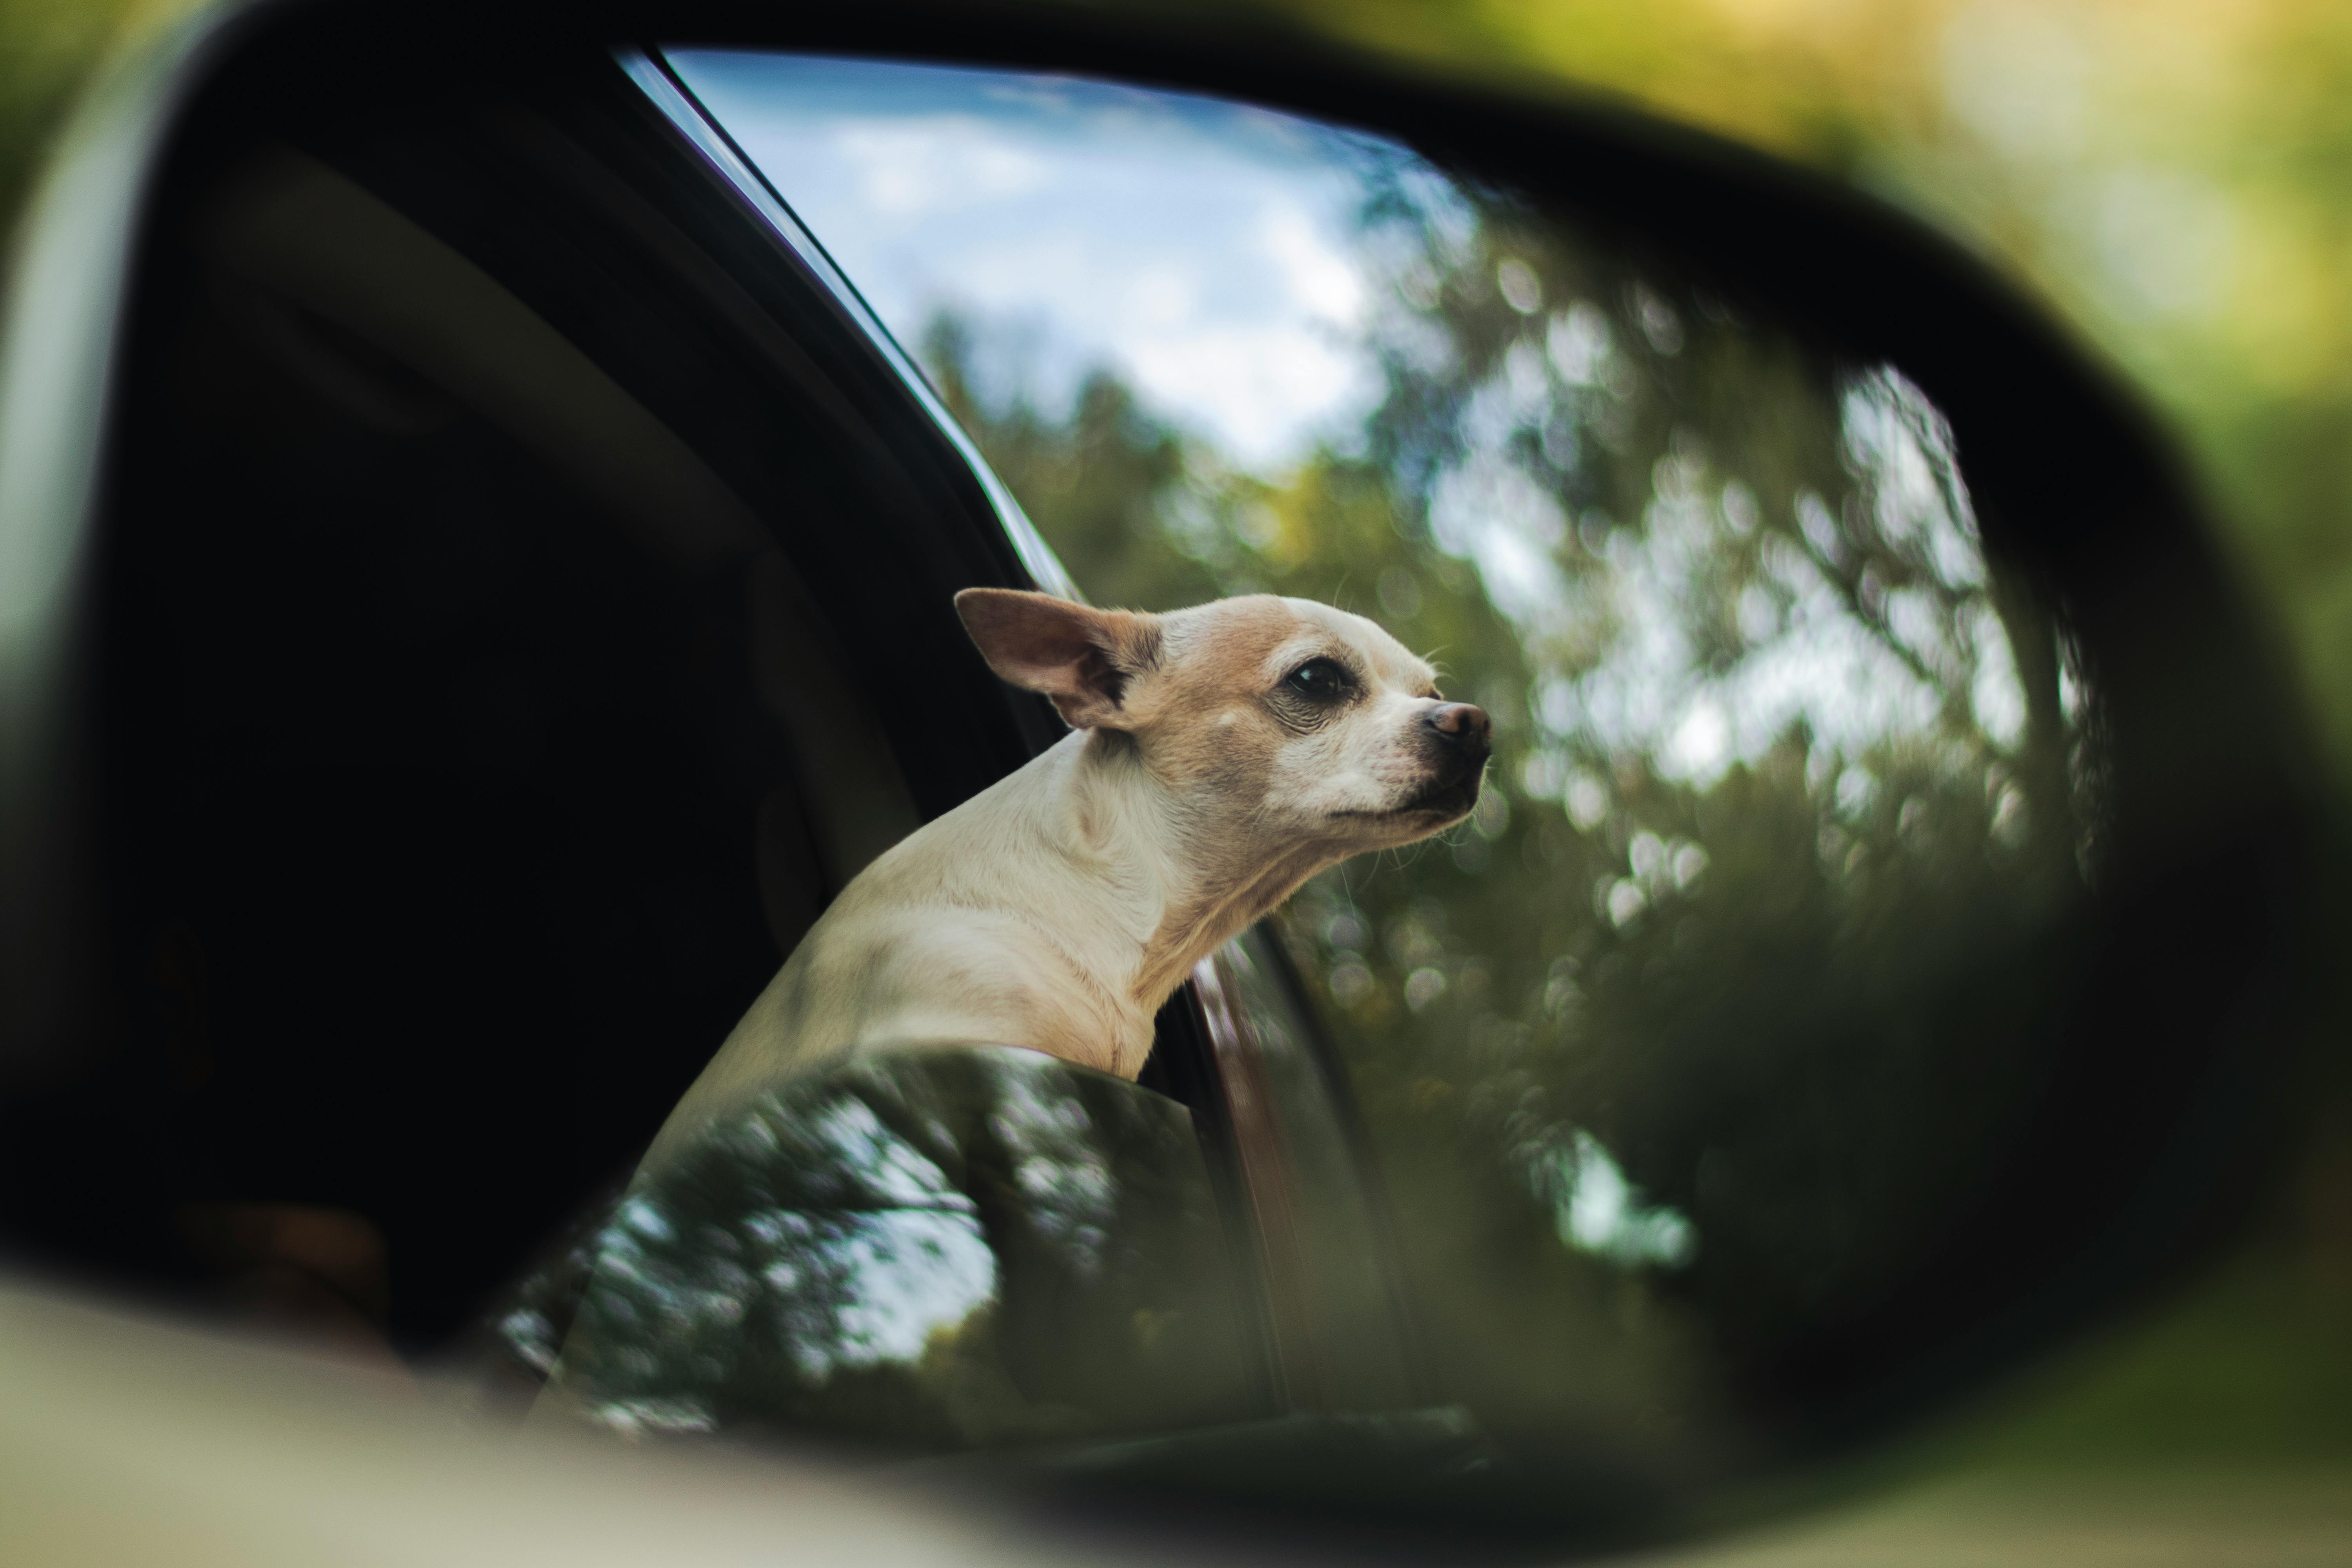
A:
<point x="1685" y="1049"/>
<point x="945" y="1250"/>
<point x="1328" y="1264"/>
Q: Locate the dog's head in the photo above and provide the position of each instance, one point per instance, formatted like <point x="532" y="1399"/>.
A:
<point x="1271" y="721"/>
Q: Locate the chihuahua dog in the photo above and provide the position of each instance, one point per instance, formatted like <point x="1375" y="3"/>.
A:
<point x="1219" y="757"/>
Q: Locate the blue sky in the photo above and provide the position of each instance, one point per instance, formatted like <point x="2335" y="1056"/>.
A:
<point x="1209" y="252"/>
<point x="1201" y="249"/>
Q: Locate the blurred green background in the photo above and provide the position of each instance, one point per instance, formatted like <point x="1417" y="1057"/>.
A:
<point x="2174" y="179"/>
<point x="2170" y="176"/>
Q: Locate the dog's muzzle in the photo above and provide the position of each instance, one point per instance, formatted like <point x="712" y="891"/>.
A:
<point x="1460" y="738"/>
<point x="1462" y="730"/>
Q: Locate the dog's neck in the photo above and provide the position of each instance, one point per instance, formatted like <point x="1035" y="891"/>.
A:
<point x="1139" y="884"/>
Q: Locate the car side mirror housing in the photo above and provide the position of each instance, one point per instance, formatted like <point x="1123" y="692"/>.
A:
<point x="977" y="1251"/>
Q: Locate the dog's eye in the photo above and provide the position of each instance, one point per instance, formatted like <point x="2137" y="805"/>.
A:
<point x="1321" y="680"/>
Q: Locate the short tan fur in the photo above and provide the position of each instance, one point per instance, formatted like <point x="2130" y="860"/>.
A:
<point x="1219" y="757"/>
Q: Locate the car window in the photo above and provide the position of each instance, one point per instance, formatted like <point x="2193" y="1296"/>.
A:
<point x="1686" y="1055"/>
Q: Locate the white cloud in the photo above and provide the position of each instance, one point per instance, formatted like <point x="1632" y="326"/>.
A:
<point x="939" y="164"/>
<point x="1255" y="387"/>
<point x="1163" y="297"/>
<point x="1198" y="250"/>
<point x="1325" y="282"/>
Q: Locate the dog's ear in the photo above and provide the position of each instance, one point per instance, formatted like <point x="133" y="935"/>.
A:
<point x="1083" y="658"/>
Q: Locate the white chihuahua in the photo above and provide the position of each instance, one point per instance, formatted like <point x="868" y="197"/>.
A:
<point x="1220" y="755"/>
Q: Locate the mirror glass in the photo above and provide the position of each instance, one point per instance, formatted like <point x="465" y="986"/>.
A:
<point x="1608" y="1131"/>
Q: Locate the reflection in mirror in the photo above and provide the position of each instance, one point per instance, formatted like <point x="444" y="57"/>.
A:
<point x="1794" y="772"/>
<point x="945" y="1250"/>
<point x="1689" y="1053"/>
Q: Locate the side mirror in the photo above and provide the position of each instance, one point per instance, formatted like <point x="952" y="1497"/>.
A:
<point x="465" y="548"/>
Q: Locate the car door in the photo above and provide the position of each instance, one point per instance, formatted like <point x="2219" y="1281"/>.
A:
<point x="452" y="676"/>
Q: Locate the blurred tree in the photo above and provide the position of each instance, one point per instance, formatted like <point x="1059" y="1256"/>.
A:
<point x="1668" y="975"/>
<point x="2171" y="176"/>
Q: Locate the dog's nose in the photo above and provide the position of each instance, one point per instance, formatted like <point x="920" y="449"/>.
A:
<point x="1464" y="726"/>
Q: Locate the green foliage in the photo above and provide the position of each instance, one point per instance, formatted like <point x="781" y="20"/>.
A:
<point x="1603" y="499"/>
<point x="2168" y="176"/>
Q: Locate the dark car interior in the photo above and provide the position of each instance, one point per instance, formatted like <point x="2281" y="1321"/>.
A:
<point x="478" y="746"/>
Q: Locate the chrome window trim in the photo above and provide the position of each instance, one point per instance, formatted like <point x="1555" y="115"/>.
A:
<point x="677" y="104"/>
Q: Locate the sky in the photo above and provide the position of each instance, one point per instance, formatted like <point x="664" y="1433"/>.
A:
<point x="1209" y="252"/>
<point x="1200" y="249"/>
